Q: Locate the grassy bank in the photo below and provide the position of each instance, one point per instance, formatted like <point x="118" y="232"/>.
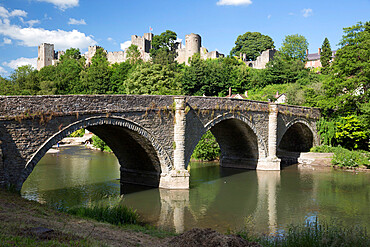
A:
<point x="311" y="234"/>
<point x="344" y="157"/>
<point x="28" y="223"/>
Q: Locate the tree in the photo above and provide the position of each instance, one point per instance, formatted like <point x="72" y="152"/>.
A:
<point x="96" y="78"/>
<point x="133" y="54"/>
<point x="325" y="57"/>
<point x="164" y="48"/>
<point x="67" y="73"/>
<point x="282" y="70"/>
<point x="154" y="79"/>
<point x="347" y="88"/>
<point x="294" y="47"/>
<point x="252" y="44"/>
<point x="119" y="75"/>
<point x="24" y="79"/>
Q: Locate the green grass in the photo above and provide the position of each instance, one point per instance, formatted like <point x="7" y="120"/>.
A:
<point x="116" y="215"/>
<point x="313" y="234"/>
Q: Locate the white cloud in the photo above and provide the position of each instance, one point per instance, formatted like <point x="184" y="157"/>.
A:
<point x="3" y="71"/>
<point x="234" y="2"/>
<point x="307" y="12"/>
<point x="125" y="45"/>
<point x="269" y="17"/>
<point x="73" y="21"/>
<point x="21" y="62"/>
<point x="62" y="4"/>
<point x="110" y="39"/>
<point x="30" y="22"/>
<point x="35" y="36"/>
<point x="6" y="14"/>
<point x="7" y="41"/>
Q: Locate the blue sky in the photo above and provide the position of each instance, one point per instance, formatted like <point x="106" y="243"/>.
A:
<point x="24" y="24"/>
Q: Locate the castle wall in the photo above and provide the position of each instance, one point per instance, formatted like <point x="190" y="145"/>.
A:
<point x="45" y="55"/>
<point x="116" y="57"/>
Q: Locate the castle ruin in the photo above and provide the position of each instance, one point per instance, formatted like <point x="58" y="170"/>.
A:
<point x="193" y="45"/>
<point x="261" y="61"/>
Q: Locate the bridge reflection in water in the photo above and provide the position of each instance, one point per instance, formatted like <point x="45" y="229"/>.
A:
<point x="220" y="198"/>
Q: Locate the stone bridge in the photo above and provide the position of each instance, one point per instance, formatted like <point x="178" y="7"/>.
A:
<point x="153" y="137"/>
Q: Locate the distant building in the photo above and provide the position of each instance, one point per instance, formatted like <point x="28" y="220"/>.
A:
<point x="193" y="44"/>
<point x="261" y="61"/>
<point x="313" y="60"/>
<point x="280" y="98"/>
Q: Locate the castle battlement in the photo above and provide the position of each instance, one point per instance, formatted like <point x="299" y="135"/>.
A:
<point x="193" y="44"/>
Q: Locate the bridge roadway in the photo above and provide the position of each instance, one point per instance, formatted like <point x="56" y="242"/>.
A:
<point x="153" y="137"/>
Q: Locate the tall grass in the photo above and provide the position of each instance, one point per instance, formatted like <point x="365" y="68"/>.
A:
<point x="313" y="234"/>
<point x="117" y="214"/>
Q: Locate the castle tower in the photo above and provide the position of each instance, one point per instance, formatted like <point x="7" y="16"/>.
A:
<point x="46" y="55"/>
<point x="193" y="42"/>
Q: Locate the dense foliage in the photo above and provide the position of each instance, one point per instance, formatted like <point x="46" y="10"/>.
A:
<point x="341" y="91"/>
<point x="325" y="58"/>
<point x="207" y="149"/>
<point x="252" y="44"/>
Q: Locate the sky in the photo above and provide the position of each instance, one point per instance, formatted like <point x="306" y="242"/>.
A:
<point x="25" y="24"/>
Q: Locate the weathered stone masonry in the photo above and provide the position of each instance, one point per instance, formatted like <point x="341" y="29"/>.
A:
<point x="153" y="137"/>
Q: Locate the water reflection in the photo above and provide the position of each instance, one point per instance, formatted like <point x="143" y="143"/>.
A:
<point x="219" y="198"/>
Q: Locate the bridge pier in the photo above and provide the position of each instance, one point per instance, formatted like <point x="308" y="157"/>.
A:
<point x="178" y="178"/>
<point x="272" y="162"/>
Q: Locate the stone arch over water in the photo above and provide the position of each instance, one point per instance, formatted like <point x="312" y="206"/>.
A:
<point x="240" y="142"/>
<point x="141" y="157"/>
<point x="299" y="136"/>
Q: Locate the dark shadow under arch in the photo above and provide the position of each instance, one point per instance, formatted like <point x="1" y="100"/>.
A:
<point x="240" y="144"/>
<point x="297" y="138"/>
<point x="141" y="157"/>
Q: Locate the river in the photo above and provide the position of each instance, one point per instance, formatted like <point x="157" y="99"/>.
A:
<point x="219" y="198"/>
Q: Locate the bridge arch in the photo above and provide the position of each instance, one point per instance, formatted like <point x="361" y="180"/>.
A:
<point x="240" y="142"/>
<point x="153" y="159"/>
<point x="298" y="136"/>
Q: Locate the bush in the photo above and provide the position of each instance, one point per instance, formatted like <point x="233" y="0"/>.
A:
<point x="99" y="143"/>
<point x="207" y="148"/>
<point x="344" y="157"/>
<point x="78" y="133"/>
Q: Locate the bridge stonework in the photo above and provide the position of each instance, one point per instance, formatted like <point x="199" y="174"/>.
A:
<point x="153" y="137"/>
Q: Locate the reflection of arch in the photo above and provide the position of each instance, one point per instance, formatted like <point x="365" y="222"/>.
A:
<point x="239" y="140"/>
<point x="115" y="132"/>
<point x="298" y="136"/>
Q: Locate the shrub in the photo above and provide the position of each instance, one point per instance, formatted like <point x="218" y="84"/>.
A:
<point x="78" y="133"/>
<point x="344" y="157"/>
<point x="99" y="143"/>
<point x="207" y="148"/>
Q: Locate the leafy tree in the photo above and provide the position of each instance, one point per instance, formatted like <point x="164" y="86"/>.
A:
<point x="133" y="54"/>
<point x="325" y="57"/>
<point x="96" y="78"/>
<point x="24" y="79"/>
<point x="47" y="77"/>
<point x="294" y="47"/>
<point x="252" y="44"/>
<point x="119" y="75"/>
<point x="153" y="79"/>
<point x="282" y="70"/>
<point x="347" y="87"/>
<point x="164" y="48"/>
<point x="6" y="87"/>
<point x="67" y="73"/>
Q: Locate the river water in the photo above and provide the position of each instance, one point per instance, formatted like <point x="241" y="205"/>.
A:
<point x="219" y="198"/>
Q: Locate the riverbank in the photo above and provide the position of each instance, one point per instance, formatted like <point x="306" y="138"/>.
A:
<point x="28" y="223"/>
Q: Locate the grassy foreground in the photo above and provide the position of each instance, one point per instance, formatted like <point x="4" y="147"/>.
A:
<point x="21" y="221"/>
